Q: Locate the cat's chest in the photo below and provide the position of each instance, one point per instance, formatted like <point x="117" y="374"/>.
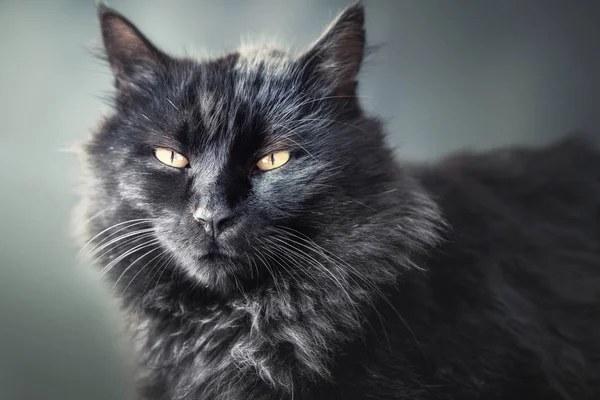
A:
<point x="189" y="354"/>
<point x="196" y="354"/>
<point x="206" y="337"/>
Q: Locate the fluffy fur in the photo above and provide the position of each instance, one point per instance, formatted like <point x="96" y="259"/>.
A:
<point x="343" y="274"/>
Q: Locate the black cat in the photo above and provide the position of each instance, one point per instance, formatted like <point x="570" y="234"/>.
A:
<point x="267" y="245"/>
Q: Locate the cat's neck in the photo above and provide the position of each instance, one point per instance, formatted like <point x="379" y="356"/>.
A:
<point x="263" y="333"/>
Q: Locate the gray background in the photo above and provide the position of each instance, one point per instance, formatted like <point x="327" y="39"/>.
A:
<point x="448" y="75"/>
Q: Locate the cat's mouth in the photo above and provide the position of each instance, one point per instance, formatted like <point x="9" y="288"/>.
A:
<point x="216" y="253"/>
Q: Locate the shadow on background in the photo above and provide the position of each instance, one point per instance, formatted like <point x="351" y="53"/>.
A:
<point x="58" y="341"/>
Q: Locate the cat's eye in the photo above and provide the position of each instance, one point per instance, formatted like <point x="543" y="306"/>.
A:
<point x="273" y="160"/>
<point x="171" y="158"/>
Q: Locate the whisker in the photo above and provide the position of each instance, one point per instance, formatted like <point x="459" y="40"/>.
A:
<point x="172" y="104"/>
<point x="321" y="267"/>
<point x="126" y="244"/>
<point x="109" y="228"/>
<point x="142" y="269"/>
<point x="281" y="262"/>
<point x="131" y="265"/>
<point x="99" y="247"/>
<point x="166" y="265"/>
<point x="155" y="270"/>
<point x="268" y="267"/>
<point x="129" y="252"/>
<point x="370" y="285"/>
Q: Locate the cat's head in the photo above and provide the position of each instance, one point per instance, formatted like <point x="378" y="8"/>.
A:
<point x="226" y="159"/>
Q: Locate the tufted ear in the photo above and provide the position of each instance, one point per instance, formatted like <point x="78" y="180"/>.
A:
<point x="130" y="54"/>
<point x="335" y="59"/>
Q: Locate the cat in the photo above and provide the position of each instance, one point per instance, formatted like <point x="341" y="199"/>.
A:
<point x="265" y="242"/>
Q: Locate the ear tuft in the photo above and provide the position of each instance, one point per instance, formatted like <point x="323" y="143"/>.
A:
<point x="337" y="55"/>
<point x="128" y="50"/>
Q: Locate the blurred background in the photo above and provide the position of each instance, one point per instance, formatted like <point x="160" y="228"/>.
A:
<point x="447" y="75"/>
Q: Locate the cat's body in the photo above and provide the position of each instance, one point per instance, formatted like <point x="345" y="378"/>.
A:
<point x="509" y="305"/>
<point x="341" y="274"/>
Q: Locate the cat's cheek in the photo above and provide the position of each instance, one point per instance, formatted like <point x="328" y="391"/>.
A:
<point x="149" y="192"/>
<point x="132" y="193"/>
<point x="282" y="193"/>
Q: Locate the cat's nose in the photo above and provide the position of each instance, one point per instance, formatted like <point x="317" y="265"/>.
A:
<point x="214" y="222"/>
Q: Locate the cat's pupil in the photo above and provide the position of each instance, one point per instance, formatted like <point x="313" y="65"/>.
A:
<point x="272" y="158"/>
<point x="172" y="156"/>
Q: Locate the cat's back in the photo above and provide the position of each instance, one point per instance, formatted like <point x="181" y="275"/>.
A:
<point x="520" y="173"/>
<point x="532" y="190"/>
<point x="523" y="209"/>
<point x="522" y="255"/>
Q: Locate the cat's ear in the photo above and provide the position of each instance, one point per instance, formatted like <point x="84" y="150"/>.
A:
<point x="130" y="54"/>
<point x="336" y="57"/>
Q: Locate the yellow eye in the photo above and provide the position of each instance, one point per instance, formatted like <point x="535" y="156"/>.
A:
<point x="273" y="160"/>
<point x="171" y="158"/>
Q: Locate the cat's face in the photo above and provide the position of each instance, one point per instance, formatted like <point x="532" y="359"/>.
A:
<point x="223" y="154"/>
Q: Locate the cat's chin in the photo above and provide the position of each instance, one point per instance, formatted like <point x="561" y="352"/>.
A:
<point x="216" y="258"/>
<point x="217" y="271"/>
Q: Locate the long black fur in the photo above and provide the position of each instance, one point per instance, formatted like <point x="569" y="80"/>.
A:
<point x="344" y="274"/>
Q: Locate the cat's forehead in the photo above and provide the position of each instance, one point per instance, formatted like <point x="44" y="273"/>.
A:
<point x="246" y="93"/>
<point x="256" y="73"/>
<point x="264" y="58"/>
<point x="256" y="82"/>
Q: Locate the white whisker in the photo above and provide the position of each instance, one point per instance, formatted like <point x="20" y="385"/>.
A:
<point x="133" y="235"/>
<point x="129" y="252"/>
<point x="131" y="265"/>
<point x="141" y="220"/>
